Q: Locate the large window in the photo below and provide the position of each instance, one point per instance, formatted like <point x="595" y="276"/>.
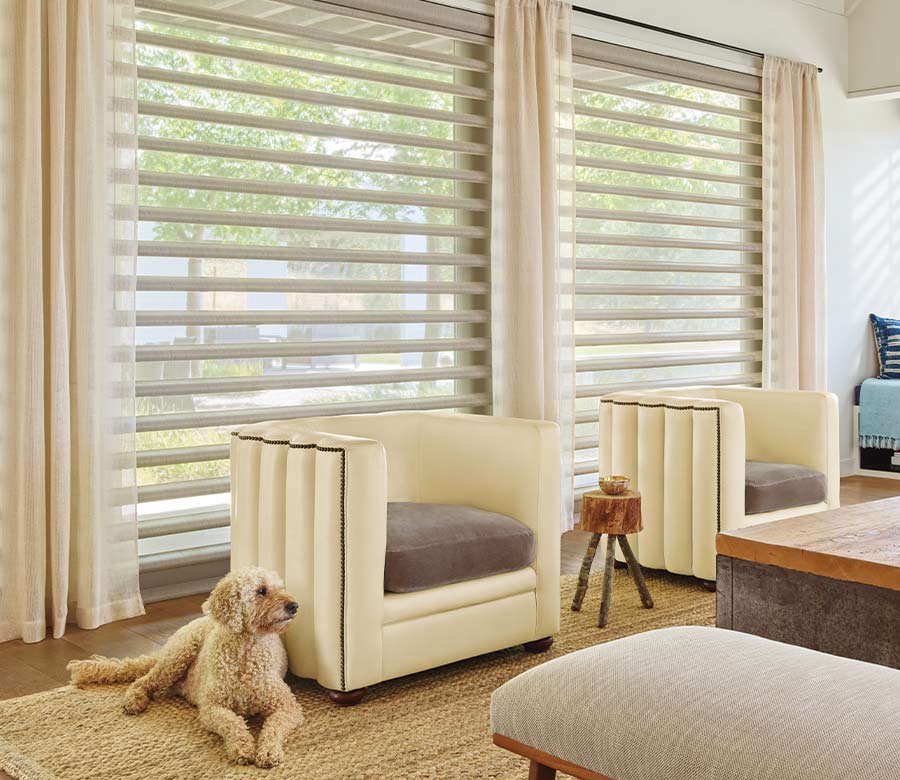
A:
<point x="313" y="239"/>
<point x="668" y="220"/>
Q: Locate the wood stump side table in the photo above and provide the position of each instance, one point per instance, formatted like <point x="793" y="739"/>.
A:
<point x="614" y="516"/>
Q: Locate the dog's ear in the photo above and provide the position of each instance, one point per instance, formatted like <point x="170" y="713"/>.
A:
<point x="224" y="605"/>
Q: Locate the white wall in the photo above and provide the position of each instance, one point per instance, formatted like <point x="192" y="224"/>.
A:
<point x="862" y="161"/>
<point x="862" y="151"/>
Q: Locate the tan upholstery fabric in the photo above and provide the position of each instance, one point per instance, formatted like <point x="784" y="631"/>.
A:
<point x="772" y="486"/>
<point x="309" y="499"/>
<point x="685" y="450"/>
<point x="704" y="703"/>
<point x="793" y="227"/>
<point x="429" y="545"/>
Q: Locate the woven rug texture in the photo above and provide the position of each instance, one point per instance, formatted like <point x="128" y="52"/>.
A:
<point x="425" y="726"/>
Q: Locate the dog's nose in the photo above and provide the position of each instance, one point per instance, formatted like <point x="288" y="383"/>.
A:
<point x="292" y="607"/>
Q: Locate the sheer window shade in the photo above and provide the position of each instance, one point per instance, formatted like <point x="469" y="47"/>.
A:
<point x="668" y="221"/>
<point x="314" y="190"/>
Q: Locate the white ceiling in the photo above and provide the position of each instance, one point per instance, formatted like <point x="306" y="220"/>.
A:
<point x="844" y="7"/>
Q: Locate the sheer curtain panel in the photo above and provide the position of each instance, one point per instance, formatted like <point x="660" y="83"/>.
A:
<point x="794" y="227"/>
<point x="532" y="263"/>
<point x="68" y="549"/>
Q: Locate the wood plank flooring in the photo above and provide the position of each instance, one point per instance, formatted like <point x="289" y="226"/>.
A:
<point x="31" y="668"/>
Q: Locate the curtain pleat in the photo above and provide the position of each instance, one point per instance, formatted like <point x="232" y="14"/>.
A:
<point x="532" y="257"/>
<point x="68" y="533"/>
<point x="793" y="227"/>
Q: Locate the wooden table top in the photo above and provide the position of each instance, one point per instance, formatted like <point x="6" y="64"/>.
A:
<point x="859" y="543"/>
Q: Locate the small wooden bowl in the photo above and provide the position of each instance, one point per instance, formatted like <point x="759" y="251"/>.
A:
<point x="614" y="485"/>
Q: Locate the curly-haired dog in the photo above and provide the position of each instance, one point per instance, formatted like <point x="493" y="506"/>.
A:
<point x="229" y="664"/>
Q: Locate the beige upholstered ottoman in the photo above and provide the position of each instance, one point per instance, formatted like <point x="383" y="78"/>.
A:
<point x="702" y="704"/>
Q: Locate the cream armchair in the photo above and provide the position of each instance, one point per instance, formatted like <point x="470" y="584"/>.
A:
<point x="691" y="450"/>
<point x="309" y="500"/>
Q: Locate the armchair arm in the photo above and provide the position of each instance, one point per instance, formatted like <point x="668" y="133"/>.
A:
<point x="792" y="426"/>
<point x="349" y="543"/>
<point x="313" y="506"/>
<point x="503" y="465"/>
<point x="686" y="457"/>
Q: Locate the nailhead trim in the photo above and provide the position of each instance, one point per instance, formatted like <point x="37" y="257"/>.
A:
<point x="715" y="409"/>
<point x="343" y="607"/>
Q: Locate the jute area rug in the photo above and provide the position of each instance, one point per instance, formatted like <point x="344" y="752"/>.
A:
<point x="429" y="725"/>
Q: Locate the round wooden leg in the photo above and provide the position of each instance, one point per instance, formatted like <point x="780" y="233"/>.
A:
<point x="709" y="585"/>
<point x="539" y="645"/>
<point x="346" y="698"/>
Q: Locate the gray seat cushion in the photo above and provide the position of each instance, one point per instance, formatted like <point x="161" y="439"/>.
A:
<point x="773" y="486"/>
<point x="437" y="544"/>
<point x="695" y="703"/>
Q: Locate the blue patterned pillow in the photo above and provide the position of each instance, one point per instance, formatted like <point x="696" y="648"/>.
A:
<point x="887" y="342"/>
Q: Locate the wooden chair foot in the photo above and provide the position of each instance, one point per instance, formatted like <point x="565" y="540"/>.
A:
<point x="346" y="698"/>
<point x="539" y="645"/>
<point x="537" y="771"/>
<point x="709" y="585"/>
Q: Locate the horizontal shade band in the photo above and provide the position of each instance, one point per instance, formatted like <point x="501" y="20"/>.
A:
<point x="664" y="360"/>
<point x="308" y="191"/>
<point x="246" y="219"/>
<point x="667" y="338"/>
<point x="665" y="266"/>
<point x="194" y="556"/>
<point x="673" y="195"/>
<point x="261" y="349"/>
<point x="307" y="34"/>
<point x="170" y="387"/>
<point x="166" y="491"/>
<point x="307" y="65"/>
<point x="666" y="314"/>
<point x="608" y="139"/>
<point x="161" y="524"/>
<point x="308" y="96"/>
<point x="615" y="239"/>
<point x="663" y="289"/>
<point x="604" y="163"/>
<point x="338" y="162"/>
<point x="234" y="251"/>
<point x="300" y="127"/>
<point x="292" y="285"/>
<point x="667" y="124"/>
<point x="656" y="218"/>
<point x="611" y="56"/>
<point x="294" y="317"/>
<point x="597" y="391"/>
<point x="171" y="422"/>
<point x="654" y="97"/>
<point x="177" y="455"/>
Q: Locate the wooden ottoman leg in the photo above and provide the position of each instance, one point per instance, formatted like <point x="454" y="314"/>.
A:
<point x="538" y="771"/>
<point x="585" y="572"/>
<point x="608" y="574"/>
<point x="635" y="568"/>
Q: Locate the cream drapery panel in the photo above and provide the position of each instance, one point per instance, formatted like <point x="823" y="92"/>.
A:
<point x="793" y="227"/>
<point x="68" y="535"/>
<point x="532" y="251"/>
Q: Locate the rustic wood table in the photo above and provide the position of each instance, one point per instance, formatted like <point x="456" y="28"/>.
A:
<point x="614" y="516"/>
<point x="828" y="581"/>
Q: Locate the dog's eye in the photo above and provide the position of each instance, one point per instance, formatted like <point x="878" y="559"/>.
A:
<point x="262" y="591"/>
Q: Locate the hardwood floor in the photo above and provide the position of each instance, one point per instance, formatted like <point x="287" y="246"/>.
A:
<point x="27" y="669"/>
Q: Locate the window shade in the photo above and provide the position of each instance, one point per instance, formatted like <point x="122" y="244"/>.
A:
<point x="668" y="220"/>
<point x="313" y="237"/>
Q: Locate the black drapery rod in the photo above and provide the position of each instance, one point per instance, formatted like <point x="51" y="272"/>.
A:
<point x="665" y="31"/>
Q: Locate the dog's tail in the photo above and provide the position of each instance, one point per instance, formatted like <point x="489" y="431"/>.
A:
<point x="102" y="671"/>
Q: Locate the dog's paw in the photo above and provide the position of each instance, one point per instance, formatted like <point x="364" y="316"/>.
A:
<point x="136" y="700"/>
<point x="241" y="751"/>
<point x="269" y="755"/>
